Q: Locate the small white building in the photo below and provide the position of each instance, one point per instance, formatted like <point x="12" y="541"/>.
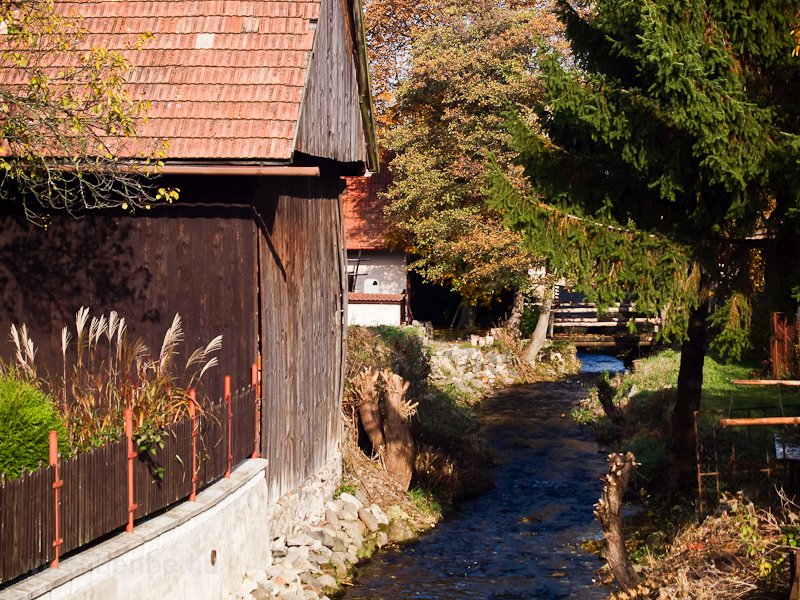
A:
<point x="376" y="276"/>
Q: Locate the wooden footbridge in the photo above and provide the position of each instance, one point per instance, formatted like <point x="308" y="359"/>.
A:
<point x="619" y="326"/>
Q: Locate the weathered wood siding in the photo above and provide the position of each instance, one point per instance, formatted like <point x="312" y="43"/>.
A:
<point x="266" y="273"/>
<point x="331" y="124"/>
<point x="302" y="329"/>
<point x="197" y="258"/>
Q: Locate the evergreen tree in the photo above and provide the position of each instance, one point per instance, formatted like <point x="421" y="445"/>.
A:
<point x="668" y="140"/>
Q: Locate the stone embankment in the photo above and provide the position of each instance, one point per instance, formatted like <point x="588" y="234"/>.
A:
<point x="476" y="369"/>
<point x="317" y="558"/>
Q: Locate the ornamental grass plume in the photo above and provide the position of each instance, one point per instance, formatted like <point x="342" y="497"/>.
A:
<point x="103" y="372"/>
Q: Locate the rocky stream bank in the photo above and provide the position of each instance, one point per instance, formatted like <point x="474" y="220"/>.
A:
<point x="319" y="558"/>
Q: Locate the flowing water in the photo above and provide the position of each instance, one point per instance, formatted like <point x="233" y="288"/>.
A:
<point x="522" y="538"/>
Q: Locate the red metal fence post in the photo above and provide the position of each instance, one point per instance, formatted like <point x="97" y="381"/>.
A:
<point x="230" y="422"/>
<point x="254" y="371"/>
<point x="132" y="506"/>
<point x="57" y="483"/>
<point x="193" y="413"/>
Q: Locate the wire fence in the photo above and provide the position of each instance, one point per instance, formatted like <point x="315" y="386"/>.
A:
<point x="758" y="460"/>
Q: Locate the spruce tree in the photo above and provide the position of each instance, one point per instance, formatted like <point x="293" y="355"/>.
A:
<point x="668" y="138"/>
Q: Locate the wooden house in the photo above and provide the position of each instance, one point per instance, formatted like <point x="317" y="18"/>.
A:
<point x="265" y="105"/>
<point x="377" y="278"/>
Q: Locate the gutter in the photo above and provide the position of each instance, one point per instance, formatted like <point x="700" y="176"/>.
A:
<point x="199" y="169"/>
<point x="261" y="171"/>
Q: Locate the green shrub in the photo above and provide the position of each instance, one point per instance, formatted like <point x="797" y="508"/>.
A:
<point x="27" y="416"/>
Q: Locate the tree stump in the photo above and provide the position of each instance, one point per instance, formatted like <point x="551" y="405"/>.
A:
<point x="608" y="511"/>
<point x="397" y="431"/>
<point x="365" y="386"/>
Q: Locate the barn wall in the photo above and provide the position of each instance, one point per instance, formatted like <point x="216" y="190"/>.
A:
<point x="197" y="258"/>
<point x="303" y="327"/>
<point x="331" y="124"/>
<point x="202" y="259"/>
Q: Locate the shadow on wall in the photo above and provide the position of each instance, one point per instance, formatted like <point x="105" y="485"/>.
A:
<point x="42" y="272"/>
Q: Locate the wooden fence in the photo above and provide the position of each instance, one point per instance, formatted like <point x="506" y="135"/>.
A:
<point x="93" y="499"/>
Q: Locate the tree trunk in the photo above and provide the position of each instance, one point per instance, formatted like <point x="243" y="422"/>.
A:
<point x="515" y="318"/>
<point x="690" y="386"/>
<point x="369" y="410"/>
<point x="605" y="394"/>
<point x="397" y="431"/>
<point x="531" y="350"/>
<point x="609" y="512"/>
<point x="467" y="316"/>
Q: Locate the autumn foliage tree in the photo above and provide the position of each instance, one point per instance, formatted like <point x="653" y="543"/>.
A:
<point x="451" y="73"/>
<point x="663" y="150"/>
<point x="65" y="115"/>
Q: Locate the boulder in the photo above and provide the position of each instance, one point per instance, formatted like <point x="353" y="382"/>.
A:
<point x="346" y="498"/>
<point x="379" y="515"/>
<point x="400" y="532"/>
<point x="368" y="519"/>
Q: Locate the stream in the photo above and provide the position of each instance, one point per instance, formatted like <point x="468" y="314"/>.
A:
<point x="522" y="538"/>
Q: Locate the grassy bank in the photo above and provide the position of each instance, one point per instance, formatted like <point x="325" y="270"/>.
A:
<point x="740" y="547"/>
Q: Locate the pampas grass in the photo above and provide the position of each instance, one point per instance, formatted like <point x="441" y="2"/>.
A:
<point x="111" y="373"/>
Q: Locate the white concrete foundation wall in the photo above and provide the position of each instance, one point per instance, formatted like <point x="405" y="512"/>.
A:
<point x="373" y="314"/>
<point x="198" y="550"/>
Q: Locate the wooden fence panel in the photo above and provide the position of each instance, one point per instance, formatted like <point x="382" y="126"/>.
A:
<point x="212" y="443"/>
<point x="94" y="495"/>
<point x="163" y="477"/>
<point x="26" y="523"/>
<point x="243" y="402"/>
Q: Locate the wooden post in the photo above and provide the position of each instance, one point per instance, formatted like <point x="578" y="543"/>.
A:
<point x="132" y="506"/>
<point x="254" y="380"/>
<point x="193" y="414"/>
<point x="227" y="391"/>
<point x="57" y="483"/>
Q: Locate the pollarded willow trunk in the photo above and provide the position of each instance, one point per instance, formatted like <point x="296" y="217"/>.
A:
<point x="531" y="350"/>
<point x="397" y="430"/>
<point x="690" y="387"/>
<point x="608" y="511"/>
<point x="365" y="384"/>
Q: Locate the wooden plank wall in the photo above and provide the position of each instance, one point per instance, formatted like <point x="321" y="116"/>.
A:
<point x="330" y="120"/>
<point x="215" y="263"/>
<point x="196" y="258"/>
<point x="302" y="329"/>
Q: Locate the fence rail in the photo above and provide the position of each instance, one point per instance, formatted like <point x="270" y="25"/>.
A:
<point x="93" y="500"/>
<point x="732" y="457"/>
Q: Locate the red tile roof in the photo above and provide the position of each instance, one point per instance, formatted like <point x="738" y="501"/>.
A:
<point x="359" y="298"/>
<point x="225" y="78"/>
<point x="363" y="211"/>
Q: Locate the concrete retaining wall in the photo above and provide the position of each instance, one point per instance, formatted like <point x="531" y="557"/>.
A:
<point x="197" y="550"/>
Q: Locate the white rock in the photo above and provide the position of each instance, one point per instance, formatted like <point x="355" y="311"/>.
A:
<point x="379" y="515"/>
<point x="345" y="497"/>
